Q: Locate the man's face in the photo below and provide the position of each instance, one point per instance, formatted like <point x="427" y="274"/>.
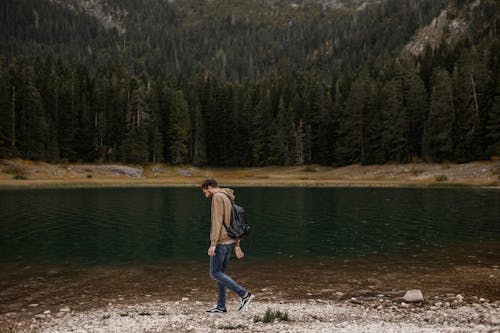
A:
<point x="206" y="191"/>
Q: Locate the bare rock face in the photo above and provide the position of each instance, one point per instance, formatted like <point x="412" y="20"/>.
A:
<point x="413" y="295"/>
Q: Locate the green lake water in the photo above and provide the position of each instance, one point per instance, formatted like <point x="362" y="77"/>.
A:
<point x="158" y="225"/>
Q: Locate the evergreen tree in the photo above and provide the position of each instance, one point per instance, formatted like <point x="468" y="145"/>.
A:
<point x="135" y="145"/>
<point x="415" y="113"/>
<point x="259" y="136"/>
<point x="470" y="81"/>
<point x="393" y="134"/>
<point x="438" y="138"/>
<point x="179" y="130"/>
<point x="200" y="148"/>
<point x="283" y="138"/>
<point x="7" y="115"/>
<point x="493" y="125"/>
<point x="32" y="125"/>
<point x="350" y="148"/>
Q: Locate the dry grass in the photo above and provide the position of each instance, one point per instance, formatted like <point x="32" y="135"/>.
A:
<point x="93" y="175"/>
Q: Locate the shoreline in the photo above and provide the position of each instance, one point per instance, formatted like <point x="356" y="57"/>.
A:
<point x="40" y="295"/>
<point x="22" y="174"/>
<point x="446" y="314"/>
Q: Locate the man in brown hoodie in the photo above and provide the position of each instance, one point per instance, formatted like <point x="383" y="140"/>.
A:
<point x="221" y="245"/>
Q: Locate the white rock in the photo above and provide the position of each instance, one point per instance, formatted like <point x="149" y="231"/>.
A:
<point x="460" y="298"/>
<point x="413" y="295"/>
<point x="65" y="309"/>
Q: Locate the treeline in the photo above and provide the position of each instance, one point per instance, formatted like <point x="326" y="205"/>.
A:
<point x="445" y="105"/>
<point x="231" y="40"/>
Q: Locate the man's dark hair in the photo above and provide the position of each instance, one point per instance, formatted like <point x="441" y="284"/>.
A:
<point x="209" y="182"/>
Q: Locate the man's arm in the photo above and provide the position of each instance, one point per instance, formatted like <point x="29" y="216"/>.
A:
<point x="217" y="220"/>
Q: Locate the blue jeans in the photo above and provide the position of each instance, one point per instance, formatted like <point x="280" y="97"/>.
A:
<point x="218" y="264"/>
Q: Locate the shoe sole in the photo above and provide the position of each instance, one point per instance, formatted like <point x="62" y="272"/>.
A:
<point x="246" y="304"/>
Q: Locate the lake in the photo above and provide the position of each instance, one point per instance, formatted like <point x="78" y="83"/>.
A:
<point x="160" y="224"/>
<point x="304" y="242"/>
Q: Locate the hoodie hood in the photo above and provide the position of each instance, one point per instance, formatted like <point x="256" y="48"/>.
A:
<point x="229" y="192"/>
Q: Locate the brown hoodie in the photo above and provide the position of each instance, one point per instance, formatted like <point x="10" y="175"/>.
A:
<point x="221" y="211"/>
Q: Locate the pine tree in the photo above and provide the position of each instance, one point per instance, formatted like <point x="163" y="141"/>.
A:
<point x="282" y="141"/>
<point x="438" y="138"/>
<point x="493" y="125"/>
<point x="415" y="113"/>
<point x="393" y="119"/>
<point x="32" y="118"/>
<point x="470" y="81"/>
<point x="350" y="147"/>
<point x="179" y="129"/>
<point x="200" y="148"/>
<point x="259" y="136"/>
<point x="7" y="117"/>
<point x="135" y="145"/>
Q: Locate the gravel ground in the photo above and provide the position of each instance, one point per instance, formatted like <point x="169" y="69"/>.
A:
<point x="315" y="315"/>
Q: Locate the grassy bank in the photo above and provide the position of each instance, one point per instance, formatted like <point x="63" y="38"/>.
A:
<point x="27" y="174"/>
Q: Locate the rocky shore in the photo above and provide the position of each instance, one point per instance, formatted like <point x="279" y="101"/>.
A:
<point x="448" y="313"/>
<point x="18" y="173"/>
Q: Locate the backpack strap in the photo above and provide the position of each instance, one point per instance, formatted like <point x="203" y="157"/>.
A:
<point x="223" y="223"/>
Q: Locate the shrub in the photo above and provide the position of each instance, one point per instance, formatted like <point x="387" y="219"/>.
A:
<point x="310" y="169"/>
<point x="272" y="316"/>
<point x="20" y="177"/>
<point x="441" y="178"/>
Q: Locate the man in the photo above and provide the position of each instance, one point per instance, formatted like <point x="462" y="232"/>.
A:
<point x="221" y="245"/>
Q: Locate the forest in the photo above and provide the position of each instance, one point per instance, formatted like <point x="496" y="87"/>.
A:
<point x="208" y="83"/>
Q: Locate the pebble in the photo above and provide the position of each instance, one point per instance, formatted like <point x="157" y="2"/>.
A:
<point x="369" y="316"/>
<point x="34" y="305"/>
<point x="65" y="309"/>
<point x="413" y="295"/>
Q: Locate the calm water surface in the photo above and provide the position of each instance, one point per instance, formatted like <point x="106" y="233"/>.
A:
<point x="157" y="225"/>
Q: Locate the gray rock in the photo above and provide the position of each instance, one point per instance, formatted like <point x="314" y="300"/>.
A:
<point x="124" y="170"/>
<point x="495" y="320"/>
<point x="185" y="173"/>
<point x="413" y="295"/>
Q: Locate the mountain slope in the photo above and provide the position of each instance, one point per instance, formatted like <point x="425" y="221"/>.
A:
<point x="232" y="40"/>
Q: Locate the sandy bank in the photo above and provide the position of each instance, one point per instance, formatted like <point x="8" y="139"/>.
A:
<point x="26" y="174"/>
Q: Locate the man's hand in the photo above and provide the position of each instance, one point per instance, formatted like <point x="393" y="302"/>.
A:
<point x="211" y="251"/>
<point x="239" y="253"/>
